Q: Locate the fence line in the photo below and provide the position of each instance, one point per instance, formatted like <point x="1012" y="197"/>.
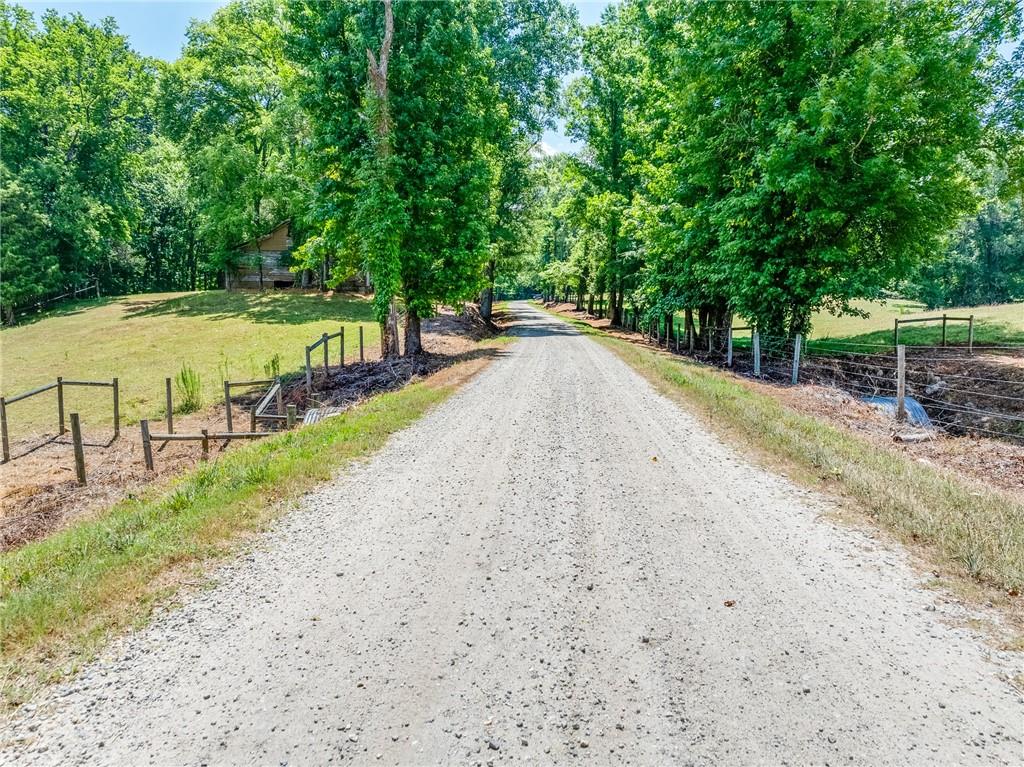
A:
<point x="59" y="384"/>
<point x="862" y="369"/>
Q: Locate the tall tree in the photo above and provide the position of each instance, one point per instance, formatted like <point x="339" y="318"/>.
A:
<point x="229" y="101"/>
<point x="816" y="153"/>
<point x="599" y="103"/>
<point x="74" y="117"/>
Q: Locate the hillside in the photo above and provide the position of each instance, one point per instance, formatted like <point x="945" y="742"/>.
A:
<point x="143" y="339"/>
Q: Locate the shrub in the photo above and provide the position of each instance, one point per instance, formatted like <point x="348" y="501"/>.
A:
<point x="190" y="391"/>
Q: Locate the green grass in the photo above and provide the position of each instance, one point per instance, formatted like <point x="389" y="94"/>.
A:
<point x="972" y="530"/>
<point x="144" y="339"/>
<point x="61" y="597"/>
<point x="993" y="325"/>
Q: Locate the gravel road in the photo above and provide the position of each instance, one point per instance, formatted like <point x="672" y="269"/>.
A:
<point x="557" y="564"/>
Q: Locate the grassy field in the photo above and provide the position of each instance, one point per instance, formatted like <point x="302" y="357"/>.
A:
<point x="143" y="339"/>
<point x="962" y="527"/>
<point x="62" y="597"/>
<point x="995" y="324"/>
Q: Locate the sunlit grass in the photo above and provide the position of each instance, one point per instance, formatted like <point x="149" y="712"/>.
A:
<point x="145" y="339"/>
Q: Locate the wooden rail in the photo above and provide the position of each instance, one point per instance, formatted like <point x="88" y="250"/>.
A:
<point x="59" y="384"/>
<point x="945" y="318"/>
<point x="203" y="435"/>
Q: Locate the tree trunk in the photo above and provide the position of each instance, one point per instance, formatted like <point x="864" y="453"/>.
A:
<point x="377" y="67"/>
<point x="413" y="338"/>
<point x="590" y="305"/>
<point x="690" y="330"/>
<point x="487" y="295"/>
<point x="612" y="301"/>
<point x="617" y="307"/>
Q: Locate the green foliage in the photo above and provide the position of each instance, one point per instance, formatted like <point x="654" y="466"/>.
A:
<point x="815" y="152"/>
<point x="190" y="390"/>
<point x="229" y="101"/>
<point x="429" y="213"/>
<point x="272" y="369"/>
<point x="73" y="113"/>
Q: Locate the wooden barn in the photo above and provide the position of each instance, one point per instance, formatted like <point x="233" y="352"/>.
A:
<point x="273" y="252"/>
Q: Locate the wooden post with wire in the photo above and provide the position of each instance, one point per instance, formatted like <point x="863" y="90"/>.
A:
<point x="147" y="444"/>
<point x="60" y="403"/>
<point x="361" y="357"/>
<point x="970" y="334"/>
<point x="227" y="402"/>
<point x="728" y="348"/>
<point x="206" y="443"/>
<point x="327" y="364"/>
<point x="3" y="430"/>
<point x="341" y="342"/>
<point x="796" y="358"/>
<point x="117" y="408"/>
<point x="755" y="343"/>
<point x="76" y="439"/>
<point x="169" y="406"/>
<point x="901" y="383"/>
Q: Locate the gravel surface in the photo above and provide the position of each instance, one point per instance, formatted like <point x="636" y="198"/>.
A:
<point x="557" y="564"/>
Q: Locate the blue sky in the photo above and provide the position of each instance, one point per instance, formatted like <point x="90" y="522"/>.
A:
<point x="157" y="27"/>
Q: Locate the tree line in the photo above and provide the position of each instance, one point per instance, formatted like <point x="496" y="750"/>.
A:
<point x="766" y="160"/>
<point x="396" y="137"/>
<point x="770" y="160"/>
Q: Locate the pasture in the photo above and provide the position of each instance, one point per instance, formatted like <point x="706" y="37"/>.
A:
<point x="143" y="339"/>
<point x="993" y="324"/>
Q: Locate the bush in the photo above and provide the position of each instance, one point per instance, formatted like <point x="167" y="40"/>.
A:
<point x="190" y="391"/>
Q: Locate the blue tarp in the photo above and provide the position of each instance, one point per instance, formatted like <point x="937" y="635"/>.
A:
<point x="916" y="414"/>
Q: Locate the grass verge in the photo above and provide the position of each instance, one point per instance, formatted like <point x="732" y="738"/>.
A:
<point x="962" y="527"/>
<point x="62" y="597"/>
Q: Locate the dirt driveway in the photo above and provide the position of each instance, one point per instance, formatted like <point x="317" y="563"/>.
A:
<point x="556" y="565"/>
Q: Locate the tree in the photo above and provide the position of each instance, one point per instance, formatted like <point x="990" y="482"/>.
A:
<point x="74" y="116"/>
<point x="428" y="209"/>
<point x="229" y="102"/>
<point x="816" y="153"/>
<point x="598" y="105"/>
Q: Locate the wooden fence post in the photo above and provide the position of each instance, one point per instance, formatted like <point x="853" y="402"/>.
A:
<point x="60" y="403"/>
<point x="728" y="348"/>
<point x="970" y="334"/>
<point x="943" y="329"/>
<point x="227" y="403"/>
<point x="796" y="358"/>
<point x="3" y="430"/>
<point x="206" y="444"/>
<point x="147" y="445"/>
<point x="309" y="373"/>
<point x="895" y="333"/>
<point x="291" y="417"/>
<point x="755" y="343"/>
<point x="280" y="396"/>
<point x="117" y="409"/>
<point x="170" y="406"/>
<point x="901" y="383"/>
<point x="327" y="364"/>
<point x="76" y="438"/>
<point x="341" y="341"/>
<point x="361" y="357"/>
<point x="252" y="418"/>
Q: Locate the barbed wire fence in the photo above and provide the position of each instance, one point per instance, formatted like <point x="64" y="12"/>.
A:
<point x="961" y="389"/>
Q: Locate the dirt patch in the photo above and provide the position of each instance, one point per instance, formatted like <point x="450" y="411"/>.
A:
<point x="38" y="490"/>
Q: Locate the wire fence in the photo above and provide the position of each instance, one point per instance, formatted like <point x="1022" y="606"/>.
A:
<point x="963" y="390"/>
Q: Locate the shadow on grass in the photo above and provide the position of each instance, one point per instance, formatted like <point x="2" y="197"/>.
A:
<point x="278" y="308"/>
<point x="63" y="310"/>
